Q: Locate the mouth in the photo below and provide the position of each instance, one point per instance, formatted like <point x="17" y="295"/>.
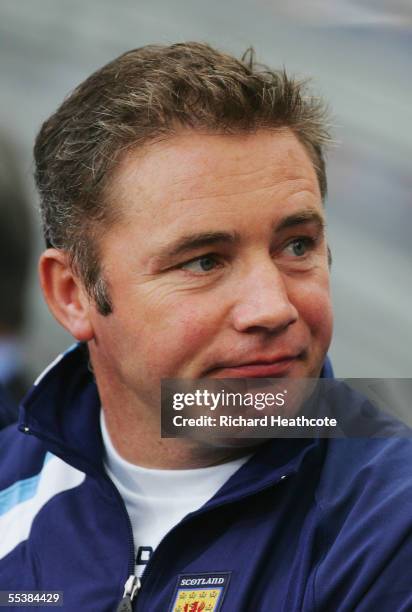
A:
<point x="260" y="368"/>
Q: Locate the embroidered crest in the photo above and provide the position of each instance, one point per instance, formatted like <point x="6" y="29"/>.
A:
<point x="200" y="592"/>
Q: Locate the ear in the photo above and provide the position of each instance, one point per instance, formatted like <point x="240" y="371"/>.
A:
<point x="65" y="294"/>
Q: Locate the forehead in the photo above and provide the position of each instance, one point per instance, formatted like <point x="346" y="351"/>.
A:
<point x="190" y="157"/>
<point x="193" y="178"/>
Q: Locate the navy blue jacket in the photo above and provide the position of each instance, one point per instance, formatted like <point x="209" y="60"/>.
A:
<point x="8" y="410"/>
<point x="304" y="525"/>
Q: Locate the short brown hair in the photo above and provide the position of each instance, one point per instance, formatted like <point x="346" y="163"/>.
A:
<point x="147" y="94"/>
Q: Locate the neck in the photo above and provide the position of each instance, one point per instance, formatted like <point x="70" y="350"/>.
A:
<point x="138" y="442"/>
<point x="134" y="429"/>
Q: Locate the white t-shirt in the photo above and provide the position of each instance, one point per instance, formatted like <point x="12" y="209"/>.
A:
<point x="156" y="500"/>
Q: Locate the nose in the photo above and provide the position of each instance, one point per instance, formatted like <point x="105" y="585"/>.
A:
<point x="262" y="301"/>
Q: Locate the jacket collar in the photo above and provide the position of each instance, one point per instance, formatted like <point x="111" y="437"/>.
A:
<point x="63" y="410"/>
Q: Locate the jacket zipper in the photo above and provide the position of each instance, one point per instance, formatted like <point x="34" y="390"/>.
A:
<point x="154" y="558"/>
<point x="131" y="589"/>
<point x="133" y="583"/>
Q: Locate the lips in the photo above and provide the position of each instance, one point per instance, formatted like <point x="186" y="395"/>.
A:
<point x="262" y="368"/>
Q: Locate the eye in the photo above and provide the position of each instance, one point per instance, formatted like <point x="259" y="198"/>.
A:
<point x="300" y="246"/>
<point x="205" y="263"/>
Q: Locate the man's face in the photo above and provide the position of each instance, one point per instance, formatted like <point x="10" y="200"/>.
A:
<point x="218" y="267"/>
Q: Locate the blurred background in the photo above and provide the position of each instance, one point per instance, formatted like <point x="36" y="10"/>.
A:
<point x="359" y="54"/>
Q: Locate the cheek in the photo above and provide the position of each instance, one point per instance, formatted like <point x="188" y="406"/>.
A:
<point x="179" y="337"/>
<point x="315" y="309"/>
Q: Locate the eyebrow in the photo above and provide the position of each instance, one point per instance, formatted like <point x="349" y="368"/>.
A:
<point x="305" y="216"/>
<point x="187" y="243"/>
<point x="191" y="242"/>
